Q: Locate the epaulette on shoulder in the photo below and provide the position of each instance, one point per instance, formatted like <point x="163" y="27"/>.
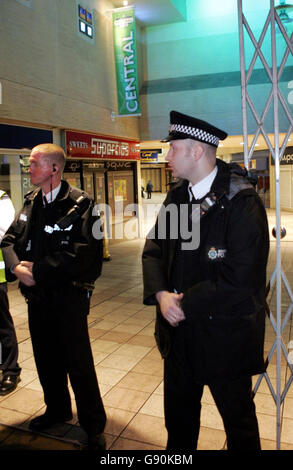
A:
<point x="75" y="194"/>
<point x="31" y="194"/>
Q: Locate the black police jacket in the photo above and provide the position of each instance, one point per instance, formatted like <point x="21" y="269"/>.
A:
<point x="70" y="253"/>
<point x="225" y="309"/>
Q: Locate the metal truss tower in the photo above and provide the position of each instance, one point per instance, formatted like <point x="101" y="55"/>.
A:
<point x="276" y="101"/>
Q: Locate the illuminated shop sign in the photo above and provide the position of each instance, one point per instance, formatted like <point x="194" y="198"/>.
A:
<point x="94" y="146"/>
<point x="287" y="158"/>
<point x="147" y="156"/>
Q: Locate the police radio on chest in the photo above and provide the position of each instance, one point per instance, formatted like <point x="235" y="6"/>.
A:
<point x="74" y="213"/>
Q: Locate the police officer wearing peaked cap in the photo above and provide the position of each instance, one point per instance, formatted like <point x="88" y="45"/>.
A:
<point x="51" y="250"/>
<point x="210" y="299"/>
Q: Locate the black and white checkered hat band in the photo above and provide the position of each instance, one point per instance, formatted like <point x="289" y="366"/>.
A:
<point x="196" y="133"/>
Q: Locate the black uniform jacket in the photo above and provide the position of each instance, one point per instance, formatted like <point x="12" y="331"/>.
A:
<point x="66" y="254"/>
<point x="225" y="308"/>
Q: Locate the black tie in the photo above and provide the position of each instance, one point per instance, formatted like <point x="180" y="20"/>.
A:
<point x="192" y="200"/>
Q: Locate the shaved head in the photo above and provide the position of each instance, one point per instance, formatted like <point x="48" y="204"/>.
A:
<point x="51" y="152"/>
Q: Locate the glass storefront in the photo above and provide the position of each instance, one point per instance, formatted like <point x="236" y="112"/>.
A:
<point x="94" y="180"/>
<point x="153" y="175"/>
<point x="120" y="189"/>
<point x="14" y="178"/>
<point x="16" y="143"/>
<point x="107" y="182"/>
<point x="157" y="174"/>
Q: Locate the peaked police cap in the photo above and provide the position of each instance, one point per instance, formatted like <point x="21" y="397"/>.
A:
<point x="187" y="127"/>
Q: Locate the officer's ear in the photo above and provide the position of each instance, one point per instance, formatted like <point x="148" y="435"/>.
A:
<point x="55" y="168"/>
<point x="197" y="150"/>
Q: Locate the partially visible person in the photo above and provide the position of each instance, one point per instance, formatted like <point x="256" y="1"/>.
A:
<point x="8" y="341"/>
<point x="51" y="250"/>
<point x="210" y="295"/>
<point x="149" y="188"/>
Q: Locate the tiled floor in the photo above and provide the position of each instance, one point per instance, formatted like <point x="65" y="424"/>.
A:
<point x="129" y="368"/>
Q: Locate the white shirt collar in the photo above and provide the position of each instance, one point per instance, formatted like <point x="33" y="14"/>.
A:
<point x="51" y="197"/>
<point x="201" y="188"/>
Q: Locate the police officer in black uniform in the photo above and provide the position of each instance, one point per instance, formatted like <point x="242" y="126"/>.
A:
<point x="51" y="249"/>
<point x="208" y="283"/>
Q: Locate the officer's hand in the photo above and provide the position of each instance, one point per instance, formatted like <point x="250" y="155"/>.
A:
<point x="28" y="264"/>
<point x="170" y="306"/>
<point x="24" y="274"/>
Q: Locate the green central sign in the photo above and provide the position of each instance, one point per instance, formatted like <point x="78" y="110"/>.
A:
<point x="125" y="62"/>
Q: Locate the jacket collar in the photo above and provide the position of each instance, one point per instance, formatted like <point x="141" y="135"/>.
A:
<point x="220" y="184"/>
<point x="63" y="193"/>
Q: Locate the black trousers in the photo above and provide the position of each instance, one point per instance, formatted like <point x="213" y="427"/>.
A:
<point x="61" y="345"/>
<point x="9" y="347"/>
<point x="182" y="401"/>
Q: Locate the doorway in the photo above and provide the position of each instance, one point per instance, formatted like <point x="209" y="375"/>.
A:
<point x="94" y="185"/>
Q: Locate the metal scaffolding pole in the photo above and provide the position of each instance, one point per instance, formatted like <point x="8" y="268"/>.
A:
<point x="278" y="222"/>
<point x="276" y="98"/>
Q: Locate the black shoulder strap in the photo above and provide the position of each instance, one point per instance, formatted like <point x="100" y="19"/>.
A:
<point x="209" y="201"/>
<point x="82" y="202"/>
<point x="240" y="180"/>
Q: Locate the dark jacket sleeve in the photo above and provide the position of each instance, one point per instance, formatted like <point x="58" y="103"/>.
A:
<point x="9" y="241"/>
<point x="155" y="263"/>
<point x="242" y="274"/>
<point x="154" y="271"/>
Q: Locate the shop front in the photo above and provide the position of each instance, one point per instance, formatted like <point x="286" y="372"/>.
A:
<point x="286" y="180"/>
<point x="16" y="143"/>
<point x="153" y="168"/>
<point x="107" y="169"/>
